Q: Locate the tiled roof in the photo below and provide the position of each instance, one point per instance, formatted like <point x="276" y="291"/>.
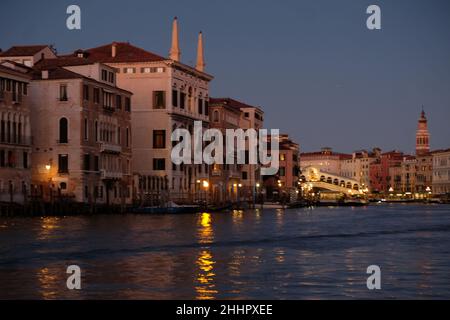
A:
<point x="13" y="71"/>
<point x="60" y="73"/>
<point x="17" y="51"/>
<point x="125" y="52"/>
<point x="57" y="73"/>
<point x="230" y="102"/>
<point x="62" y="61"/>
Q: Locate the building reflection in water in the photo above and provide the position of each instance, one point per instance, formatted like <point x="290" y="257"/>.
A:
<point x="205" y="286"/>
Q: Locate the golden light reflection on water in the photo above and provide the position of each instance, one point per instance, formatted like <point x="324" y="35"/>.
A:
<point x="205" y="232"/>
<point x="48" y="226"/>
<point x="205" y="286"/>
<point x="47" y="282"/>
<point x="205" y="278"/>
<point x="279" y="217"/>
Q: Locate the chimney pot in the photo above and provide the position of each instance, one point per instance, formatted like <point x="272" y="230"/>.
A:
<point x="114" y="50"/>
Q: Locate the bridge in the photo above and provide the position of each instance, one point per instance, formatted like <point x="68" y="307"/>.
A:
<point x="316" y="179"/>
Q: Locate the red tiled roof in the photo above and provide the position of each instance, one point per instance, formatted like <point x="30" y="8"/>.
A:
<point x="57" y="73"/>
<point x="13" y="71"/>
<point x="125" y="52"/>
<point x="62" y="61"/>
<point x="230" y="102"/>
<point x="17" y="51"/>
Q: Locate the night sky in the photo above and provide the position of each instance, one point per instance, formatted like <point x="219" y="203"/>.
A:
<point x="319" y="74"/>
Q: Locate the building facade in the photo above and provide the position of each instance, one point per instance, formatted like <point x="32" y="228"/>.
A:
<point x="382" y="177"/>
<point x="225" y="178"/>
<point x="167" y="95"/>
<point x="251" y="117"/>
<point x="326" y="160"/>
<point x="81" y="124"/>
<point x="358" y="166"/>
<point x="15" y="133"/>
<point x="441" y="172"/>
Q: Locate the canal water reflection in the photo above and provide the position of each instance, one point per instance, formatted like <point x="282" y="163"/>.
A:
<point x="260" y="254"/>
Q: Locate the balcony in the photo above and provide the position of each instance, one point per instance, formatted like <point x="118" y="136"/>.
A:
<point x="110" y="175"/>
<point x="108" y="109"/>
<point x="110" y="148"/>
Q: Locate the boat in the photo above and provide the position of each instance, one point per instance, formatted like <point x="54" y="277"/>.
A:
<point x="170" y="208"/>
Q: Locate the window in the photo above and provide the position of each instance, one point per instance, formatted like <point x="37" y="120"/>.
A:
<point x="159" y="164"/>
<point x="246" y="114"/>
<point x="282" y="157"/>
<point x="206" y="107"/>
<point x="282" y="171"/>
<point x="86" y="129"/>
<point x="182" y="99"/>
<point x="129" y="70"/>
<point x="86" y="92"/>
<point x="63" y="92"/>
<point x="96" y="131"/>
<point x="119" y="101"/>
<point x="96" y="163"/>
<point x="127" y="137"/>
<point x="200" y="106"/>
<point x="159" y="139"/>
<point x="216" y="116"/>
<point x="25" y="160"/>
<point x="127" y="104"/>
<point x="86" y="162"/>
<point x="63" y="163"/>
<point x="63" y="186"/>
<point x="63" y="130"/>
<point x="96" y="95"/>
<point x="159" y="100"/>
<point x="244" y="175"/>
<point x="104" y="75"/>
<point x="175" y="98"/>
<point x="111" y="77"/>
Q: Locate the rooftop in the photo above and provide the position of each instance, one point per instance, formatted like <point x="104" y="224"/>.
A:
<point x="17" y="51"/>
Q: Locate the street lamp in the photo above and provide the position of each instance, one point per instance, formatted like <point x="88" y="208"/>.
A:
<point x="48" y="167"/>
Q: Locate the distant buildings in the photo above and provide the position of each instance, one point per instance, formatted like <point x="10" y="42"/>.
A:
<point x="225" y="178"/>
<point x="441" y="172"/>
<point x="251" y="117"/>
<point x="15" y="134"/>
<point x="326" y="160"/>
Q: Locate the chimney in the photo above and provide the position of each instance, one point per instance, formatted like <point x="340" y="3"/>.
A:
<point x="44" y="74"/>
<point x="113" y="49"/>
<point x="200" y="66"/>
<point x="175" y="53"/>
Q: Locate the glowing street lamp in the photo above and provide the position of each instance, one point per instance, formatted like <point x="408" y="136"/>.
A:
<point x="48" y="167"/>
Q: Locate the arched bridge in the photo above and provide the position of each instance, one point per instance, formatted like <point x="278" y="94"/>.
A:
<point x="314" y="178"/>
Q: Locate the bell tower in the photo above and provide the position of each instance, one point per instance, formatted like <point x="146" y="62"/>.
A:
<point x="422" y="135"/>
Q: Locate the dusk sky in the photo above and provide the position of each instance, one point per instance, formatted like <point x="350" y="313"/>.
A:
<point x="318" y="73"/>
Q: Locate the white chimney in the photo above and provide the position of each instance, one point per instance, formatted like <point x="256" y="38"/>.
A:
<point x="44" y="74"/>
<point x="113" y="50"/>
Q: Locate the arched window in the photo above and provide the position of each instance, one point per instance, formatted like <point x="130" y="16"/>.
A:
<point x="63" y="130"/>
<point x="216" y="116"/>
